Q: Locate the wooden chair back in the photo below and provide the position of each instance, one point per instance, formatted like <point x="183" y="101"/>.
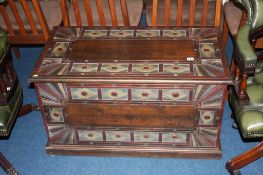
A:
<point x="100" y="6"/>
<point x="193" y="14"/>
<point x="23" y="35"/>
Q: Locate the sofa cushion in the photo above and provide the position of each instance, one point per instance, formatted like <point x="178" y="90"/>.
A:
<point x="51" y="11"/>
<point x="173" y="12"/>
<point x="134" y="8"/>
<point x="251" y="123"/>
<point x="255" y="93"/>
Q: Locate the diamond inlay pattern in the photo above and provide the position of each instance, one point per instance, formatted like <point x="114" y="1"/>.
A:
<point x="176" y="95"/>
<point x="95" y="33"/>
<point x="90" y="135"/>
<point x="146" y="68"/>
<point x="148" y="33"/>
<point x="121" y="33"/>
<point x="145" y="94"/>
<point x="84" y="67"/>
<point x="174" y="33"/>
<point x="114" y="94"/>
<point x="84" y="93"/>
<point x="123" y="136"/>
<point x="113" y="67"/>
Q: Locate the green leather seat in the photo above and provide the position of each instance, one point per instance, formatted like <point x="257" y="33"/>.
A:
<point x="250" y="117"/>
<point x="246" y="96"/>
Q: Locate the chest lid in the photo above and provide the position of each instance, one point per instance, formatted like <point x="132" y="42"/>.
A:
<point x="133" y="55"/>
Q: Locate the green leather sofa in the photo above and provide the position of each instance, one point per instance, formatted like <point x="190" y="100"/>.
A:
<point x="246" y="97"/>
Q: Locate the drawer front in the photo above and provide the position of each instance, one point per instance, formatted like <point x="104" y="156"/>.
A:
<point x="126" y="115"/>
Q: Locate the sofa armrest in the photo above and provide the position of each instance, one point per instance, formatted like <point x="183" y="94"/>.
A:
<point x="245" y="51"/>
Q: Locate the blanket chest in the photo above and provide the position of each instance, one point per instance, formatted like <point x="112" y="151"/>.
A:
<point x="156" y="92"/>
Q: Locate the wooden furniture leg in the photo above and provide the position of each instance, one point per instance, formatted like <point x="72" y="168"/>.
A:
<point x="244" y="159"/>
<point x="7" y="166"/>
<point x="16" y="52"/>
<point x="27" y="109"/>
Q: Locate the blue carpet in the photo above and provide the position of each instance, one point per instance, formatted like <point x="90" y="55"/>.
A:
<point x="25" y="147"/>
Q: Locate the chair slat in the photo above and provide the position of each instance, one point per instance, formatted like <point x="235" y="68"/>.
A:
<point x="167" y="12"/>
<point x="114" y="20"/>
<point x="29" y="16"/>
<point x="41" y="18"/>
<point x="77" y="12"/>
<point x="192" y="13"/>
<point x="218" y="13"/>
<point x="17" y="16"/>
<point x="125" y="13"/>
<point x="154" y="13"/>
<point x="102" y="20"/>
<point x="64" y="12"/>
<point x="204" y="13"/>
<point x="7" y="20"/>
<point x="88" y="12"/>
<point x="179" y="16"/>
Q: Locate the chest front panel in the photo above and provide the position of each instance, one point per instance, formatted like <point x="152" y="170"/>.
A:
<point x="149" y="90"/>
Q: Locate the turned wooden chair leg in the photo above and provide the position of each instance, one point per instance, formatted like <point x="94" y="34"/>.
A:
<point x="7" y="166"/>
<point x="16" y="52"/>
<point x="27" y="109"/>
<point x="244" y="159"/>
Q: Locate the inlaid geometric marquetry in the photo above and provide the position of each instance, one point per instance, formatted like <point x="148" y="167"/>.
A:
<point x="122" y="136"/>
<point x="90" y="135"/>
<point x="148" y="33"/>
<point x="67" y="33"/>
<point x="61" y="135"/>
<point x="131" y="136"/>
<point x="176" y="68"/>
<point x="145" y="68"/>
<point x="121" y="33"/>
<point x="174" y="33"/>
<point x="145" y="94"/>
<point x="59" y="49"/>
<point x="50" y="62"/>
<point x="99" y="33"/>
<point x="204" y="34"/>
<point x="52" y="94"/>
<point x="142" y="136"/>
<point x="84" y="67"/>
<point x="84" y="93"/>
<point x="51" y="66"/>
<point x="176" y="95"/>
<point x="114" y="67"/>
<point x="174" y="137"/>
<point x="114" y="93"/>
<point x="204" y="137"/>
<point x="56" y="114"/>
<point x="207" y="50"/>
<point x="209" y="96"/>
<point x="201" y="137"/>
<point x="209" y="68"/>
<point x="55" y="129"/>
<point x="206" y="117"/>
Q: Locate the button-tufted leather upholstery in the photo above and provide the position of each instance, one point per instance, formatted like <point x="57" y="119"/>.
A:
<point x="13" y="95"/>
<point x="246" y="97"/>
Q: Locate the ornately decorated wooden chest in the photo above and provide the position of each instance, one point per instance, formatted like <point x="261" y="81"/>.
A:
<point x="133" y="91"/>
